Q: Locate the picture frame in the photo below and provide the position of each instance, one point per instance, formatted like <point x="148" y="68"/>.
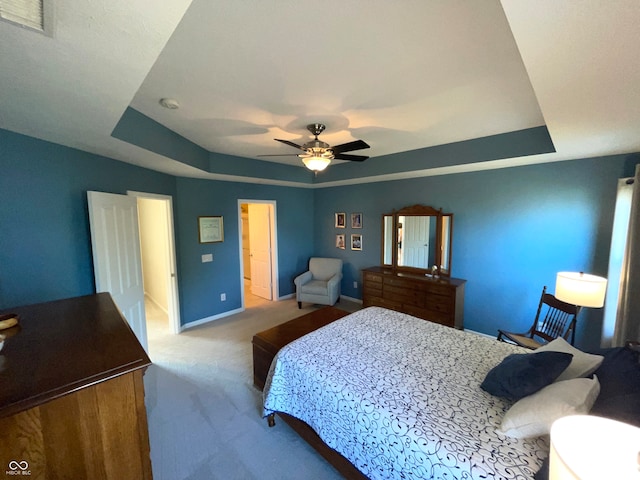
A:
<point x="341" y="220"/>
<point x="356" y="220"/>
<point x="210" y="229"/>
<point x="340" y="241"/>
<point x="356" y="241"/>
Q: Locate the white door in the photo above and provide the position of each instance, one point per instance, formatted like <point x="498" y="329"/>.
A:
<point x="115" y="241"/>
<point x="260" y="249"/>
<point x="415" y="242"/>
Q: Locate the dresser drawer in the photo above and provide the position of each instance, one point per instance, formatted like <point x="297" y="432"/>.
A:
<point x="439" y="317"/>
<point x="372" y="290"/>
<point x="399" y="282"/>
<point x="385" y="302"/>
<point x="405" y="295"/>
<point x="440" y="303"/>
<point x="443" y="290"/>
<point x="372" y="277"/>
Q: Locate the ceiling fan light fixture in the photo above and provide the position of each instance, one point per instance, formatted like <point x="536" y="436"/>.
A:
<point x="316" y="163"/>
<point x="318" y="154"/>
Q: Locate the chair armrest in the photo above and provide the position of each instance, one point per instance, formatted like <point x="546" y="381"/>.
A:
<point x="334" y="280"/>
<point x="303" y="278"/>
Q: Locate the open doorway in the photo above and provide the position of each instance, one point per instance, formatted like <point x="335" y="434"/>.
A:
<point x="155" y="223"/>
<point x="258" y="247"/>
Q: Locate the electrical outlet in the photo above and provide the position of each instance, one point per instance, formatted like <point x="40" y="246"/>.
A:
<point x="355" y="284"/>
<point x="223" y="297"/>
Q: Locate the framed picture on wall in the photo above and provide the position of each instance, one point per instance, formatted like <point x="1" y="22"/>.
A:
<point x="341" y="220"/>
<point x="210" y="229"/>
<point x="340" y="241"/>
<point x="356" y="242"/>
<point x="356" y="220"/>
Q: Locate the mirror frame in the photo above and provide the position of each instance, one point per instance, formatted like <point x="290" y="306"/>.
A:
<point x="419" y="210"/>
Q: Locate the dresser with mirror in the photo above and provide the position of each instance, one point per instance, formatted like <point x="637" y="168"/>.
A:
<point x="415" y="272"/>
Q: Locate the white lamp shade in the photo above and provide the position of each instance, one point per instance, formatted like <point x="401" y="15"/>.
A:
<point x="587" y="447"/>
<point x="581" y="289"/>
<point x="317" y="164"/>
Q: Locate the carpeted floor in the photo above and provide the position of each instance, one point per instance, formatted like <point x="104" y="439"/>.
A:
<point x="204" y="413"/>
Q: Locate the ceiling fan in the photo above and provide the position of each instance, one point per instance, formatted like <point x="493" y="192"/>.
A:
<point x="318" y="154"/>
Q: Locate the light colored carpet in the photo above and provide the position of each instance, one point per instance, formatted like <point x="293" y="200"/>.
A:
<point x="203" y="411"/>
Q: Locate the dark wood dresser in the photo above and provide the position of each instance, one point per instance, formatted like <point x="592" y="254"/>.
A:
<point x="439" y="300"/>
<point x="72" y="393"/>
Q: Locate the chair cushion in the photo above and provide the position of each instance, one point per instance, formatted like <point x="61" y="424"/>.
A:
<point x="522" y="374"/>
<point x="522" y="340"/>
<point x="324" y="268"/>
<point x="315" y="287"/>
<point x="582" y="365"/>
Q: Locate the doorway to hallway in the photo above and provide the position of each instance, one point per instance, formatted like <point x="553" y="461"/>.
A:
<point x="155" y="220"/>
<point x="258" y="248"/>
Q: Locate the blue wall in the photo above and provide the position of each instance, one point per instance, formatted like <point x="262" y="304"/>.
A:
<point x="45" y="244"/>
<point x="513" y="230"/>
<point x="202" y="283"/>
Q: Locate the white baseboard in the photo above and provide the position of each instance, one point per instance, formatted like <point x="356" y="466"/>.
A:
<point x="351" y="299"/>
<point x="153" y="300"/>
<point x="493" y="337"/>
<point x="213" y="318"/>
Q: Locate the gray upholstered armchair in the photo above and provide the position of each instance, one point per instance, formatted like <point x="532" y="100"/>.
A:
<point x="321" y="284"/>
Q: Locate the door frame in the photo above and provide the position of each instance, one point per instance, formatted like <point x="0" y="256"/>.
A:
<point x="173" y="301"/>
<point x="275" y="291"/>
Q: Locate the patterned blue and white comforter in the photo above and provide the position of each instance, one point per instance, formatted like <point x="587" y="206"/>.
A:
<point x="400" y="398"/>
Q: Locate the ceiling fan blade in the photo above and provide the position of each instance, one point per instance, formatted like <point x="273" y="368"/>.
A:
<point x="347" y="147"/>
<point x="287" y="142"/>
<point x="353" y="158"/>
<point x="280" y="155"/>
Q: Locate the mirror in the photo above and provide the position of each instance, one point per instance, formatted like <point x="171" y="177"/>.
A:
<point x="416" y="241"/>
<point x="417" y="238"/>
<point x="446" y="232"/>
<point x="387" y="239"/>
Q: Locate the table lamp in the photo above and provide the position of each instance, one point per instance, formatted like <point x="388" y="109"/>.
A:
<point x="586" y="447"/>
<point x="581" y="289"/>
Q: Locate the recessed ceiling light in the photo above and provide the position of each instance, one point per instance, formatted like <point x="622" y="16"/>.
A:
<point x="169" y="103"/>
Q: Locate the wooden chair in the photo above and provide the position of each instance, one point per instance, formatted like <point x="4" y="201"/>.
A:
<point x="554" y="319"/>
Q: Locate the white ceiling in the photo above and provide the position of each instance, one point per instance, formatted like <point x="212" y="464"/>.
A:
<point x="400" y="75"/>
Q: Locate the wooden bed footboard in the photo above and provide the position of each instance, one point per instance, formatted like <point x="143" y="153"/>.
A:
<point x="340" y="463"/>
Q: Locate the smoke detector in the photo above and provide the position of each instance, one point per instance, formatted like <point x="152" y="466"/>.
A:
<point x="169" y="103"/>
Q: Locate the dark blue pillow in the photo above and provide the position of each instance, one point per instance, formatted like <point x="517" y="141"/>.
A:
<point x="522" y="374"/>
<point x="619" y="378"/>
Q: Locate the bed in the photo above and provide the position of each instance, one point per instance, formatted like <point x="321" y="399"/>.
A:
<point x="400" y="397"/>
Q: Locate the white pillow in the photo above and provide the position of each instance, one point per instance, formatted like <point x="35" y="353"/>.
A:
<point x="532" y="416"/>
<point x="582" y="364"/>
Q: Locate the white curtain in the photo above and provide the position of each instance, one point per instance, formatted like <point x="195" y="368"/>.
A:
<point x="628" y="315"/>
<point x="616" y="258"/>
